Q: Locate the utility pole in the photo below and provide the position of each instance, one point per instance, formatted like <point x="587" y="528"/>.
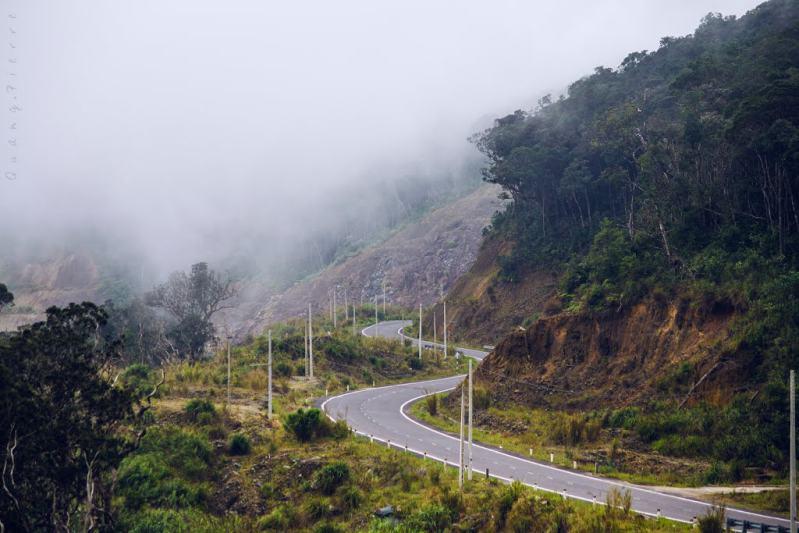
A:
<point x="460" y="450"/>
<point x="228" y="370"/>
<point x="470" y="421"/>
<point x="346" y="307"/>
<point x="376" y="315"/>
<point x="305" y="344"/>
<point x="792" y="389"/>
<point x="354" y="329"/>
<point x="420" y="332"/>
<point x="384" y="299"/>
<point x="445" y="329"/>
<point x="310" y="343"/>
<point x="334" y="307"/>
<point x="269" y="379"/>
<point x="435" y="341"/>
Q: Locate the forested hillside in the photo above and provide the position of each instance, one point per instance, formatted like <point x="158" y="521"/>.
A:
<point x="665" y="194"/>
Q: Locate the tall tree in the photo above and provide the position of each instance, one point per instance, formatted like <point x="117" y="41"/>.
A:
<point x="193" y="299"/>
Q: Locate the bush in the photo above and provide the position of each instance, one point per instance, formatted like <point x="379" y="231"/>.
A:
<point x="331" y="476"/>
<point x="414" y="363"/>
<point x="187" y="452"/>
<point x="239" y="445"/>
<point x="138" y="378"/>
<point x="283" y="369"/>
<point x="279" y="519"/>
<point x="145" y="479"/>
<point x="315" y="509"/>
<point x="432" y="518"/>
<point x="351" y="498"/>
<point x="432" y="404"/>
<point x="200" y="409"/>
<point x="713" y="521"/>
<point x="481" y="398"/>
<point x="306" y="425"/>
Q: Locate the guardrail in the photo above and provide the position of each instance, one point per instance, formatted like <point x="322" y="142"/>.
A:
<point x="745" y="525"/>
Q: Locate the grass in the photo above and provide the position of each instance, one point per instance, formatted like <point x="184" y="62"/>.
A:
<point x="534" y="439"/>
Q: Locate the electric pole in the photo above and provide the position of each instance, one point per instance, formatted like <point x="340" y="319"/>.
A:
<point x="460" y="450"/>
<point x="435" y="341"/>
<point x="354" y="329"/>
<point x="305" y="343"/>
<point x="376" y="315"/>
<point x="470" y="421"/>
<point x="384" y="299"/>
<point x="228" y="369"/>
<point x="310" y="343"/>
<point x="420" y="332"/>
<point x="346" y="307"/>
<point x="269" y="379"/>
<point x="445" y="329"/>
<point x="334" y="307"/>
<point x="792" y="392"/>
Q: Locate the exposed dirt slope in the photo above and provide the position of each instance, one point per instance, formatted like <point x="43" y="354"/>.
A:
<point x="58" y="280"/>
<point x="415" y="262"/>
<point x="613" y="358"/>
<point x="482" y="309"/>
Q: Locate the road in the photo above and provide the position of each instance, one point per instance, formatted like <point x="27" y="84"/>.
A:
<point x="381" y="414"/>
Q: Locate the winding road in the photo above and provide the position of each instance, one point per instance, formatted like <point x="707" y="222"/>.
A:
<point x="381" y="414"/>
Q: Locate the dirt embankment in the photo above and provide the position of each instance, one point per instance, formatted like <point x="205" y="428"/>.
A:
<point x="37" y="285"/>
<point x="482" y="308"/>
<point x="613" y="358"/>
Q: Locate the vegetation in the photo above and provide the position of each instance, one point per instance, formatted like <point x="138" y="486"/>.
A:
<point x="674" y="175"/>
<point x="66" y="426"/>
<point x="192" y="300"/>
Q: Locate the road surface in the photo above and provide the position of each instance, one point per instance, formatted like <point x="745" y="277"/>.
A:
<point x="381" y="414"/>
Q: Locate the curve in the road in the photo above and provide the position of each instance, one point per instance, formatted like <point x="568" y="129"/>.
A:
<point x="380" y="415"/>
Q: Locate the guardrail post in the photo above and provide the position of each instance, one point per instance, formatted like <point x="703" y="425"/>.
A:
<point x="486" y="473"/>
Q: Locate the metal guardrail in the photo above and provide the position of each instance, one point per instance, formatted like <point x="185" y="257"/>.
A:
<point x="745" y="525"/>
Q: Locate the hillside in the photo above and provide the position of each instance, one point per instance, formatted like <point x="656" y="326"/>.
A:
<point x="416" y="263"/>
<point x="651" y="248"/>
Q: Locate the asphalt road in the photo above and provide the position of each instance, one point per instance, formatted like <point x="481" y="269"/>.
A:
<point x="381" y="414"/>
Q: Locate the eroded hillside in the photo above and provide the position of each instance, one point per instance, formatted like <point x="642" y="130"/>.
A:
<point x="416" y="263"/>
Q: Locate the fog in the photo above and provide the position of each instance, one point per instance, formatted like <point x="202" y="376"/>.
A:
<point x="190" y="130"/>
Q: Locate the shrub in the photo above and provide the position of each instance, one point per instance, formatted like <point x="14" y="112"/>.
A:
<point x="145" y="479"/>
<point x="187" y="452"/>
<point x="432" y="404"/>
<point x="481" y="398"/>
<point x="351" y="498"/>
<point x="305" y="425"/>
<point x="199" y="410"/>
<point x="283" y="369"/>
<point x="138" y="378"/>
<point x="315" y="509"/>
<point x="523" y="516"/>
<point x="279" y="519"/>
<point x="414" y="363"/>
<point x="432" y="518"/>
<point x="713" y="521"/>
<point x="505" y="502"/>
<point x="331" y="476"/>
<point x="239" y="445"/>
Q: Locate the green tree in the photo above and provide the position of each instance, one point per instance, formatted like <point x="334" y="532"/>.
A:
<point x="62" y="422"/>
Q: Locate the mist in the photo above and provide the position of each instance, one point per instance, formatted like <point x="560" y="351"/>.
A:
<point x="241" y="130"/>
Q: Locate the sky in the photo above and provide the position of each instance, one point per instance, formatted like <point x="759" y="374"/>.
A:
<point x="180" y="125"/>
